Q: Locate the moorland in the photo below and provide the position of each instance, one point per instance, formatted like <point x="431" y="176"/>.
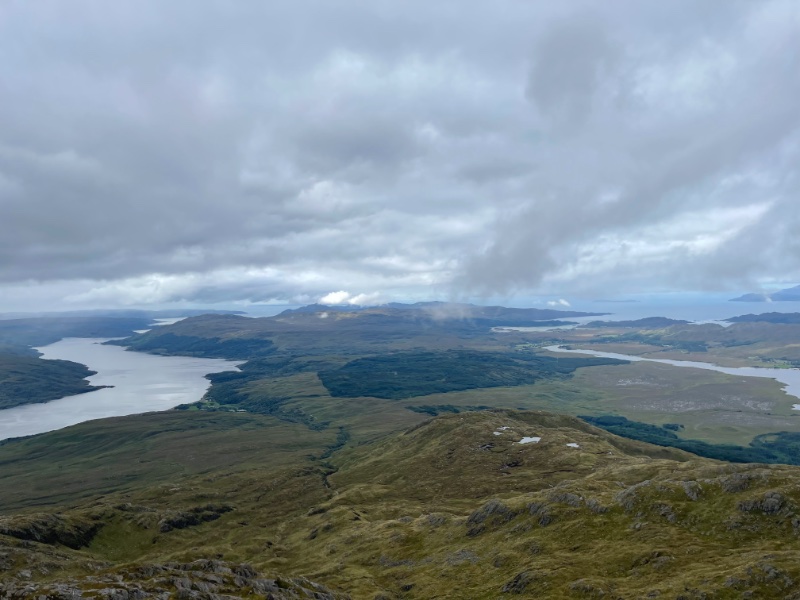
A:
<point x="423" y="452"/>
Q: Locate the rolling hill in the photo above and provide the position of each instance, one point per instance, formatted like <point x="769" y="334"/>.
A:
<point x="454" y="507"/>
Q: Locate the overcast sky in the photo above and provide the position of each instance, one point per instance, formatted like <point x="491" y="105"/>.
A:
<point x="213" y="152"/>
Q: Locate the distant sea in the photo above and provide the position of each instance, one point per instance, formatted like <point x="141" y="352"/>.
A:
<point x="695" y="307"/>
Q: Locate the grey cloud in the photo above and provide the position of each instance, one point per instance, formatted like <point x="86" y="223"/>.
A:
<point x="571" y="63"/>
<point x="653" y="161"/>
<point x="286" y="149"/>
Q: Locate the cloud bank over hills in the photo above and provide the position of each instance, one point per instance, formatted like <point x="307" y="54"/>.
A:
<point x="204" y="152"/>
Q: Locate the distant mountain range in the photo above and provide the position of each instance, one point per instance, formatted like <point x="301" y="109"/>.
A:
<point x="787" y="295"/>
<point x="499" y="315"/>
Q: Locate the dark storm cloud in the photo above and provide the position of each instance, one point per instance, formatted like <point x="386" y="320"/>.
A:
<point x="203" y="151"/>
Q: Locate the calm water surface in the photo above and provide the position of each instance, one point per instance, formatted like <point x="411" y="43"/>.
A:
<point x="142" y="383"/>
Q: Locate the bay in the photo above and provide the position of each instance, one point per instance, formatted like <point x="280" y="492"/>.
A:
<point x="142" y="383"/>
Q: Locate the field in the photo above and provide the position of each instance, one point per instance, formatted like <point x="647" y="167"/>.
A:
<point x="711" y="406"/>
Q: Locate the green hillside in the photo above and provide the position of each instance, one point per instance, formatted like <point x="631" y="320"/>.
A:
<point x="454" y="507"/>
<point x="28" y="380"/>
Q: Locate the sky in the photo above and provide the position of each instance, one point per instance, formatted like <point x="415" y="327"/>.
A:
<point x="207" y="153"/>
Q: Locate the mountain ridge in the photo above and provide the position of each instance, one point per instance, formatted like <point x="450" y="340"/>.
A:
<point x="438" y="310"/>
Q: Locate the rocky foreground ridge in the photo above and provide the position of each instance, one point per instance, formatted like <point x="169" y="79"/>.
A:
<point x="201" y="579"/>
<point x="475" y="505"/>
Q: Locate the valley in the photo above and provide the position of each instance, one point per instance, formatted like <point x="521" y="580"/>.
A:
<point x="434" y="364"/>
<point x="387" y="452"/>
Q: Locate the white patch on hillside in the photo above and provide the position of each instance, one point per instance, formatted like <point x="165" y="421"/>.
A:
<point x="573" y="445"/>
<point x="530" y="440"/>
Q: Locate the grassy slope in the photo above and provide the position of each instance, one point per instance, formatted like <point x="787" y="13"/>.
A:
<point x="128" y="453"/>
<point x="448" y="508"/>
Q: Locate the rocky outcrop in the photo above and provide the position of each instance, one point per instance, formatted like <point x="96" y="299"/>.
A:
<point x="50" y="529"/>
<point x="192" y="517"/>
<point x="201" y="580"/>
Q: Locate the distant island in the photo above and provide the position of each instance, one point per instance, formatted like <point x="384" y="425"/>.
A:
<point x="787" y="295"/>
<point x="772" y="317"/>
<point x="646" y="323"/>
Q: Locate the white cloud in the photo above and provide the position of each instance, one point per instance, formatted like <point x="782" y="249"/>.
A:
<point x="560" y="302"/>
<point x="335" y="298"/>
<point x="346" y="298"/>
